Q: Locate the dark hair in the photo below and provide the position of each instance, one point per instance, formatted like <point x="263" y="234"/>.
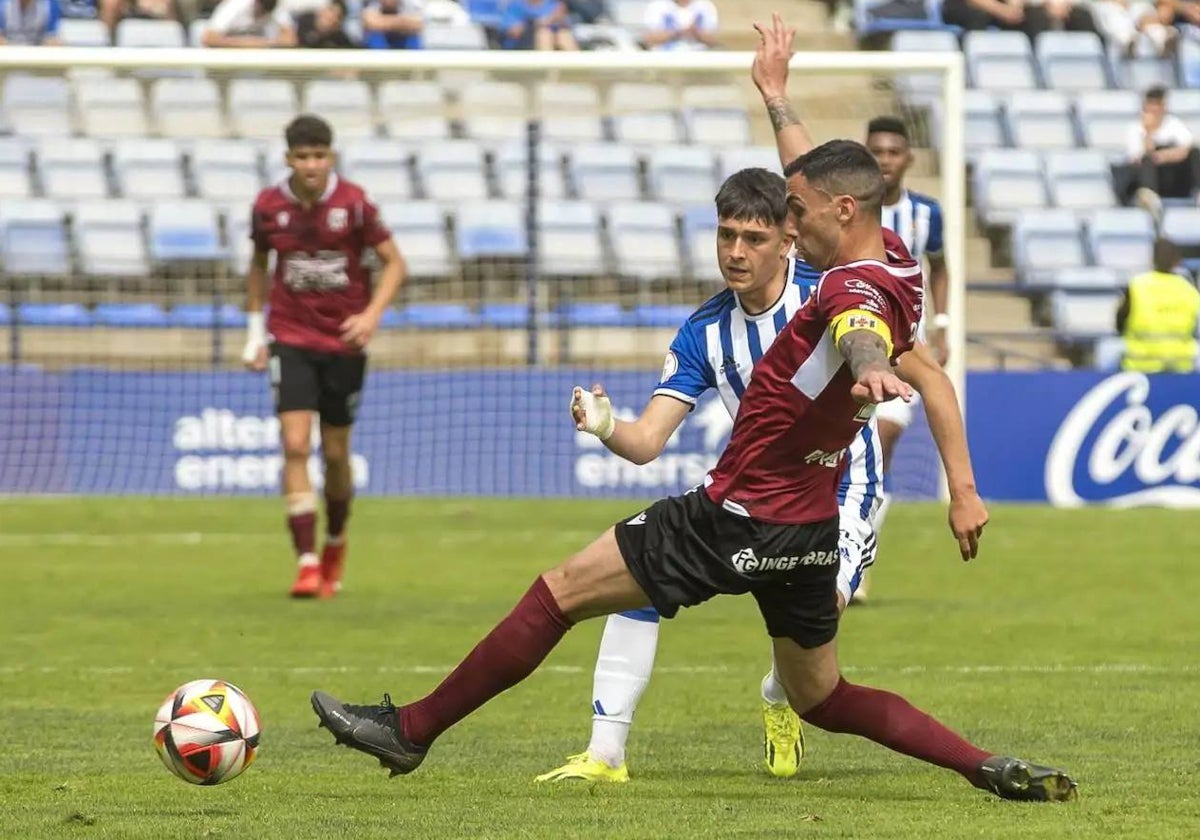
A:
<point x="888" y="125"/>
<point x="1158" y="93"/>
<point x="267" y="6"/>
<point x="308" y="130"/>
<point x="340" y="5"/>
<point x="842" y="167"/>
<point x="1166" y="255"/>
<point x="753" y="195"/>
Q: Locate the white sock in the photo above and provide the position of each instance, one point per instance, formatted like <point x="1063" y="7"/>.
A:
<point x="773" y="691"/>
<point x="622" y="672"/>
<point x="881" y="513"/>
<point x="309" y="559"/>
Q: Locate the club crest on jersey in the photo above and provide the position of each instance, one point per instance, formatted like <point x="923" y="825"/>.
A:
<point x="862" y="322"/>
<point x="338" y="219"/>
<point x="282" y="218"/>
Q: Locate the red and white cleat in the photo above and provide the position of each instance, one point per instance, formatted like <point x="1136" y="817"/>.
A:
<point x="308" y="581"/>
<point x="333" y="561"/>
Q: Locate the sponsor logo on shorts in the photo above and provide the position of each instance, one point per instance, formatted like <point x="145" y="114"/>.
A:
<point x="747" y="562"/>
<point x="640" y="519"/>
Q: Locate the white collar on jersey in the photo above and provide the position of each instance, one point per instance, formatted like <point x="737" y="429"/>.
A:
<point x="285" y="187"/>
<point x="770" y="311"/>
<point x="903" y="198"/>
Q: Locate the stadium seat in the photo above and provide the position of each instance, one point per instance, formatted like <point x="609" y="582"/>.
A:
<point x="413" y="111"/>
<point x="494" y="111"/>
<point x="37" y="106"/>
<point x="1181" y="225"/>
<point x="1092" y="278"/>
<point x="72" y="168"/>
<point x="1121" y="239"/>
<point x="604" y="172"/>
<point x="504" y="315"/>
<point x="54" y="315"/>
<point x="984" y="122"/>
<point x="1107" y="352"/>
<point x="135" y="32"/>
<point x="1185" y="104"/>
<point x="1041" y="119"/>
<point x="204" y="316"/>
<point x="1140" y="73"/>
<point x="715" y="116"/>
<point x="662" y="315"/>
<point x="1189" y="61"/>
<point x="1045" y="241"/>
<point x="1079" y="179"/>
<point x="752" y="157"/>
<point x="681" y="174"/>
<point x="148" y="169"/>
<point x="226" y="171"/>
<point x="922" y="88"/>
<point x="420" y="231"/>
<point x="569" y="243"/>
<point x="1007" y="181"/>
<point x="1081" y="317"/>
<point x="439" y="316"/>
<point x="261" y="107"/>
<point x="1105" y="118"/>
<point x="644" y="114"/>
<point x="593" y="314"/>
<point x="5" y="315"/>
<point x="512" y="171"/>
<point x="15" y="175"/>
<point x="33" y="238"/>
<point x="77" y="32"/>
<point x="629" y="14"/>
<point x="111" y="107"/>
<point x="570" y="112"/>
<point x="1072" y="61"/>
<point x="700" y="241"/>
<point x="453" y="171"/>
<point x="643" y="239"/>
<point x="345" y="103"/>
<point x="130" y="315"/>
<point x="185" y="231"/>
<point x="490" y="230"/>
<point x="999" y="61"/>
<point x="438" y="36"/>
<point x="382" y="166"/>
<point x="110" y="240"/>
<point x="187" y="108"/>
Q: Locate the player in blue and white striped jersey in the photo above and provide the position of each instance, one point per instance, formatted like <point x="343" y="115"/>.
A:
<point x="717" y="348"/>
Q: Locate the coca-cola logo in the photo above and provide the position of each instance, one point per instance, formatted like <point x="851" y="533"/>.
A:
<point x="1113" y="441"/>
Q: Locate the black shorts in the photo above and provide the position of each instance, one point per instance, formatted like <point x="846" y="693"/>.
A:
<point x="683" y="550"/>
<point x="328" y="383"/>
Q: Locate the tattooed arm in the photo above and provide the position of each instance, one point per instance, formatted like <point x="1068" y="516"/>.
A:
<point x="874" y="381"/>
<point x="770" y="72"/>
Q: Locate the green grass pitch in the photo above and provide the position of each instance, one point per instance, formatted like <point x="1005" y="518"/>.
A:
<point x="1072" y="640"/>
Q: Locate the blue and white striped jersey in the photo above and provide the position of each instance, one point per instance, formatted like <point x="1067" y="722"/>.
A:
<point x="718" y="347"/>
<point x="917" y="220"/>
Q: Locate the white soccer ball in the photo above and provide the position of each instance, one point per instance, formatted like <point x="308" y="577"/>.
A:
<point x="206" y="732"/>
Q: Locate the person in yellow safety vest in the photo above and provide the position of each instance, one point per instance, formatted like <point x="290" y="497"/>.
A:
<point x="1158" y="317"/>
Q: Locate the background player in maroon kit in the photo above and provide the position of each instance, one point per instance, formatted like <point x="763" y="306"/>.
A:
<point x="323" y="313"/>
<point x="766" y="520"/>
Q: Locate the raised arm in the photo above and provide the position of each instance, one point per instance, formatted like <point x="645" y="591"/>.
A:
<point x="639" y="441"/>
<point x="770" y="74"/>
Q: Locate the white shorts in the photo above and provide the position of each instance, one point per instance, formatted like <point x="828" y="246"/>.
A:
<point x="898" y="411"/>
<point x="857" y="546"/>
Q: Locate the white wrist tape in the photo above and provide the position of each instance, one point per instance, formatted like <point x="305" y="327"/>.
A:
<point x="597" y="413"/>
<point x="941" y="320"/>
<point x="256" y="335"/>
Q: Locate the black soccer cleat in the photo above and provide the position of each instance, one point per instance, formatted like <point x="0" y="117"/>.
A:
<point x="374" y="730"/>
<point x="1012" y="778"/>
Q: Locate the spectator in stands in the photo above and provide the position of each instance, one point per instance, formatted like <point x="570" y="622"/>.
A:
<point x="680" y="25"/>
<point x="324" y="28"/>
<point x="1157" y="317"/>
<point x="392" y="25"/>
<point x="1163" y="23"/>
<point x="1163" y="160"/>
<point x="250" y="23"/>
<point x="1032" y="18"/>
<point x="113" y="11"/>
<point x="537" y="25"/>
<point x="29" y="22"/>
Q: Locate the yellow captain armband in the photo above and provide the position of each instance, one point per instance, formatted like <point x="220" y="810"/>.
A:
<point x="859" y="319"/>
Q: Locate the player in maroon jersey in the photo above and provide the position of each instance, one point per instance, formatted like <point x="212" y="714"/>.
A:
<point x="765" y="522"/>
<point x="323" y="312"/>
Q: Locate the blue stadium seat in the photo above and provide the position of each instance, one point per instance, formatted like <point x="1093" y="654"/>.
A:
<point x="77" y="32"/>
<point x="589" y="314"/>
<point x="147" y="170"/>
<point x="1041" y="119"/>
<point x="922" y="87"/>
<point x="1140" y="72"/>
<point x="1182" y="226"/>
<point x="1092" y="278"/>
<point x="37" y="106"/>
<point x="751" y="157"/>
<point x="226" y="171"/>
<point x="700" y="241"/>
<point x="438" y="36"/>
<point x="1000" y="61"/>
<point x="1107" y="352"/>
<point x="1045" y="241"/>
<point x="1007" y="181"/>
<point x="439" y="316"/>
<point x="1072" y="61"/>
<point x="420" y="231"/>
<point x="203" y="316"/>
<point x="5" y="315"/>
<point x="1079" y="179"/>
<point x="109" y="239"/>
<point x="1081" y="317"/>
<point x="494" y="111"/>
<point x="72" y="168"/>
<point x="504" y="315"/>
<point x="185" y="231"/>
<point x="130" y="315"/>
<point x="867" y="22"/>
<point x="1122" y="239"/>
<point x="604" y="172"/>
<point x="1189" y="61"/>
<point x="54" y="315"/>
<point x="715" y="116"/>
<point x="381" y="165"/>
<point x="413" y="111"/>
<point x="261" y="107"/>
<point x="643" y="239"/>
<point x="1185" y="104"/>
<point x="453" y="171"/>
<point x="569" y="239"/>
<point x="984" y="122"/>
<point x="681" y="174"/>
<point x="490" y="229"/>
<point x="1105" y="118"/>
<point x="664" y="315"/>
<point x="644" y="114"/>
<point x="134" y="32"/>
<point x="15" y="176"/>
<point x="33" y="238"/>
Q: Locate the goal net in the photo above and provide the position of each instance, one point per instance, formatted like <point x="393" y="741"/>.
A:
<point x="555" y="210"/>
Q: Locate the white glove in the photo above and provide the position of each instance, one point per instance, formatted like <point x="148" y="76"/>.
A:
<point x="593" y="411"/>
<point x="256" y="335"/>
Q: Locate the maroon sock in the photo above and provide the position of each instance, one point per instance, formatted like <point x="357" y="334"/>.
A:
<point x="304" y="532"/>
<point x="337" y="511"/>
<point x="891" y="720"/>
<point x="507" y="655"/>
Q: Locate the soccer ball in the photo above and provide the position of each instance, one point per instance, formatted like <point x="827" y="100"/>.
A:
<point x="206" y="732"/>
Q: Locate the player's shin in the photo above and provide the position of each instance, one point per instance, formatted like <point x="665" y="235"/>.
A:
<point x="623" y="669"/>
<point x="302" y="523"/>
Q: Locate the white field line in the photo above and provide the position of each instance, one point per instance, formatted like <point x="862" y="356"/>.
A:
<point x="1115" y="668"/>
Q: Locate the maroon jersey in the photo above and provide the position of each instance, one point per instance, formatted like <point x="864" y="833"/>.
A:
<point x="784" y="458"/>
<point x="319" y="276"/>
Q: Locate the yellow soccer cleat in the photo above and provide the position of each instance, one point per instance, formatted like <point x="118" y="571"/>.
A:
<point x="584" y="768"/>
<point x="783" y="740"/>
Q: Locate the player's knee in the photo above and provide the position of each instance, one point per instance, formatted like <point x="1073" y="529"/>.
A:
<point x="296" y="446"/>
<point x="336" y="451"/>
